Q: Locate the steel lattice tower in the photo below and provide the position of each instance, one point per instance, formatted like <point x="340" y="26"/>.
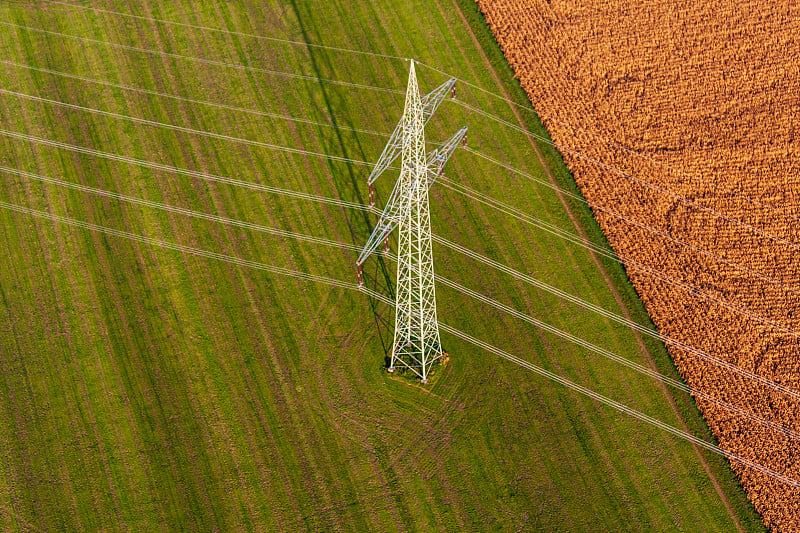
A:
<point x="416" y="331"/>
<point x="416" y="343"/>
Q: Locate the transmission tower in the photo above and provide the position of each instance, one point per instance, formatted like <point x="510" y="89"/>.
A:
<point x="416" y="343"/>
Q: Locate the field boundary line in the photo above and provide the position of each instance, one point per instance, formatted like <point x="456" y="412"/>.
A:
<point x="579" y="227"/>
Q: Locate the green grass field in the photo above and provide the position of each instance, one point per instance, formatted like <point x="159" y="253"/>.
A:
<point x="144" y="389"/>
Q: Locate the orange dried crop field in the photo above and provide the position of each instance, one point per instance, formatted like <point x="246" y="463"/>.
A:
<point x="681" y="124"/>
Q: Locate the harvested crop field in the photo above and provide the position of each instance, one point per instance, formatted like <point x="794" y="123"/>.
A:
<point x="680" y="123"/>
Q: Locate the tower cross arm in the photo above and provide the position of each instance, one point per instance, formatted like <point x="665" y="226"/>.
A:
<point x="430" y="103"/>
<point x="432" y="100"/>
<point x="440" y="156"/>
<point x="397" y="206"/>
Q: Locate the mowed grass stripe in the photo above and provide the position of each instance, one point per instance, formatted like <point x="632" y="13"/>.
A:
<point x="229" y="300"/>
<point x="314" y="468"/>
<point x="62" y="302"/>
<point x="295" y="424"/>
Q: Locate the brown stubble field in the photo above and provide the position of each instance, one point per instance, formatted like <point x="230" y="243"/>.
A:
<point x="685" y="118"/>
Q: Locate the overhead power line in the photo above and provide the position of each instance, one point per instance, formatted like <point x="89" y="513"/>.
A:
<point x="229" y="32"/>
<point x="331" y="281"/>
<point x="238" y="109"/>
<point x="181" y="211"/>
<point x="527" y="108"/>
<point x="458" y="188"/>
<point x="626" y="175"/>
<point x="652" y="333"/>
<point x="653" y="187"/>
<point x="622" y="407"/>
<point x="183" y="129"/>
<point x="444" y="327"/>
<point x="204" y="61"/>
<point x="621" y="360"/>
<point x="444" y="242"/>
<point x="702" y="251"/>
<point x="609" y="254"/>
<point x="179" y="247"/>
<point x="186" y="172"/>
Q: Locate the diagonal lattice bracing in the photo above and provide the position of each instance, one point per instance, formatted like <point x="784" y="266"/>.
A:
<point x="396" y="208"/>
<point x="430" y="102"/>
